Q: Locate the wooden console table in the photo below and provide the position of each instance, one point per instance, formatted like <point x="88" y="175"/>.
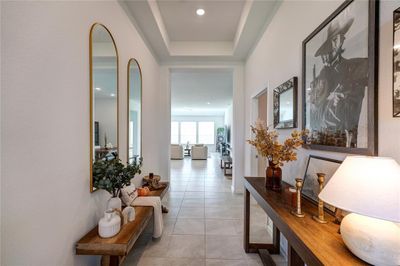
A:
<point x="308" y="241"/>
<point x="113" y="250"/>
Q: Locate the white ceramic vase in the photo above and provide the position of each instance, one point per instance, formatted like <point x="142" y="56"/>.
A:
<point x="110" y="224"/>
<point x="114" y="203"/>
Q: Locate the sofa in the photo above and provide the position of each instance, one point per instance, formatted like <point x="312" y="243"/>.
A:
<point x="176" y="152"/>
<point x="199" y="152"/>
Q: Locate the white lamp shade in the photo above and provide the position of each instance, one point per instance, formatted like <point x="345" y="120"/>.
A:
<point x="369" y="186"/>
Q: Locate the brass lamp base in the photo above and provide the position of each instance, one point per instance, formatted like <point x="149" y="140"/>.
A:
<point x="300" y="215"/>
<point x="321" y="221"/>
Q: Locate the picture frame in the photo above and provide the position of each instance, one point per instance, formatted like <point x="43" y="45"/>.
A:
<point x="285" y="104"/>
<point x="310" y="189"/>
<point x="340" y="75"/>
<point x="396" y="62"/>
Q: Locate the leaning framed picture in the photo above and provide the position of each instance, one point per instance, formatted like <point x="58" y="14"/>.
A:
<point x="340" y="79"/>
<point x="396" y="63"/>
<point x="310" y="189"/>
<point x="285" y="104"/>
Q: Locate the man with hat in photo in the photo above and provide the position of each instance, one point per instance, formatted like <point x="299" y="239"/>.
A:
<point x="337" y="92"/>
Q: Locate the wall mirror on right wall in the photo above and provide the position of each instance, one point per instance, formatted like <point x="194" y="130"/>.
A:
<point x="134" y="111"/>
<point x="396" y="63"/>
<point x="285" y="104"/>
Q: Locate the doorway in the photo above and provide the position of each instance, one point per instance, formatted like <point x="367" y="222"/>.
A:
<point x="259" y="111"/>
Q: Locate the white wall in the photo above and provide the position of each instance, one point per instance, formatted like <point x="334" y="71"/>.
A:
<point x="218" y="122"/>
<point x="277" y="57"/>
<point x="46" y="205"/>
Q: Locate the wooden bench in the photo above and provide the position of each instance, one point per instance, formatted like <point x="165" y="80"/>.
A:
<point x="114" y="250"/>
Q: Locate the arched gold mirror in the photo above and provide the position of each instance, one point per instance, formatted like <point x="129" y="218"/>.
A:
<point x="134" y="111"/>
<point x="103" y="96"/>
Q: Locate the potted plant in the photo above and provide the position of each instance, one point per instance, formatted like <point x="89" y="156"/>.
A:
<point x="112" y="176"/>
<point x="268" y="146"/>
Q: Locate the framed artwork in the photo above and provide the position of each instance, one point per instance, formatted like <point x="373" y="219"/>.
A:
<point x="396" y="63"/>
<point x="285" y="104"/>
<point x="316" y="164"/>
<point x="340" y="80"/>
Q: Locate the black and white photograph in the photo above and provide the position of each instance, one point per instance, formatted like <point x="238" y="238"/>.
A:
<point x="316" y="165"/>
<point x="396" y="63"/>
<point x="337" y="89"/>
<point x="285" y="104"/>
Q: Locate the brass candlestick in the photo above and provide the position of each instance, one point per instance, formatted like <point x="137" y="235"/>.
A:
<point x="298" y="212"/>
<point x="321" y="216"/>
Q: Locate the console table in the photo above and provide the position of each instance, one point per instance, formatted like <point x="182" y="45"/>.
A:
<point x="113" y="250"/>
<point x="308" y="241"/>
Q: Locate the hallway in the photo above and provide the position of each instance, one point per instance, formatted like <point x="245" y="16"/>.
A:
<point x="204" y="225"/>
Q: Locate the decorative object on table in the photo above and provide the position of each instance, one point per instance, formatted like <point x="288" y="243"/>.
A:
<point x="164" y="209"/>
<point x="112" y="176"/>
<point x="298" y="212"/>
<point x="143" y="191"/>
<point x="285" y="104"/>
<point x="267" y="145"/>
<point x="291" y="195"/>
<point x="187" y="145"/>
<point x="396" y="63"/>
<point x="110" y="224"/>
<point x="153" y="182"/>
<point x="311" y="187"/>
<point x="109" y="145"/>
<point x="321" y="216"/>
<point x="128" y="214"/>
<point x="368" y="187"/>
<point x="129" y="194"/>
<point x="340" y="67"/>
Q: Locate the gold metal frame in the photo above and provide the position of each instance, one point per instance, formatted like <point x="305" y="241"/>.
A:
<point x="141" y="107"/>
<point x="92" y="189"/>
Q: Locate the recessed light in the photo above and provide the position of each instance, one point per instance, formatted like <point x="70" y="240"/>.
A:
<point x="208" y="103"/>
<point x="200" y="12"/>
<point x="112" y="95"/>
<point x="98" y="89"/>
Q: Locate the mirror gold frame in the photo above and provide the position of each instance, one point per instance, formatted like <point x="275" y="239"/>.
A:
<point x="133" y="60"/>
<point x="91" y="106"/>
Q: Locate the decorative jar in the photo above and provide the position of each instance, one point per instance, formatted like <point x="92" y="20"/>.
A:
<point x="273" y="177"/>
<point x="110" y="224"/>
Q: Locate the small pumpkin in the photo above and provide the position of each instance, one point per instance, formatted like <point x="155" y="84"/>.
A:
<point x="144" y="191"/>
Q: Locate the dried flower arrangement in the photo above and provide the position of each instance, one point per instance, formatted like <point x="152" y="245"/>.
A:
<point x="267" y="144"/>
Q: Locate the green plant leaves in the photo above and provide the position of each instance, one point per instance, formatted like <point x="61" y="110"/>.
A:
<point x="112" y="175"/>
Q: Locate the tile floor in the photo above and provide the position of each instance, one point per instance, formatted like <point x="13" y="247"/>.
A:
<point x="204" y="225"/>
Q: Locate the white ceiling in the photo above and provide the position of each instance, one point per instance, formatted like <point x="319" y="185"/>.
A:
<point x="174" y="33"/>
<point x="201" y="92"/>
<point x="182" y="23"/>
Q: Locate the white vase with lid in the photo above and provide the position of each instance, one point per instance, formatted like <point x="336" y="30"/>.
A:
<point x="114" y="203"/>
<point x="110" y="224"/>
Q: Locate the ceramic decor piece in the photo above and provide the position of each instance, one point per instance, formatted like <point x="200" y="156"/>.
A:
<point x="114" y="203"/>
<point x="110" y="224"/>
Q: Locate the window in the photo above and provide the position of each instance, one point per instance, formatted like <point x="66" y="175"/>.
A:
<point x="188" y="132"/>
<point x="175" y="132"/>
<point x="192" y="132"/>
<point x="206" y="133"/>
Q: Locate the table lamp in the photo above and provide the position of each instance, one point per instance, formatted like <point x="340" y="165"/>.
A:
<point x="368" y="188"/>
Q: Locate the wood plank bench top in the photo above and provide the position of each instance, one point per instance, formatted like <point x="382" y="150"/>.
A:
<point x="122" y="243"/>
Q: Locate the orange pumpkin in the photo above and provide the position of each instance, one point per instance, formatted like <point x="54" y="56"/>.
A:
<point x="144" y="191"/>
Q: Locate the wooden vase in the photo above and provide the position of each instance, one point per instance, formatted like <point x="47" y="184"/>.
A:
<point x="273" y="176"/>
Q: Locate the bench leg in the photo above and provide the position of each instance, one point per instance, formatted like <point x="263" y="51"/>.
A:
<point x="107" y="260"/>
